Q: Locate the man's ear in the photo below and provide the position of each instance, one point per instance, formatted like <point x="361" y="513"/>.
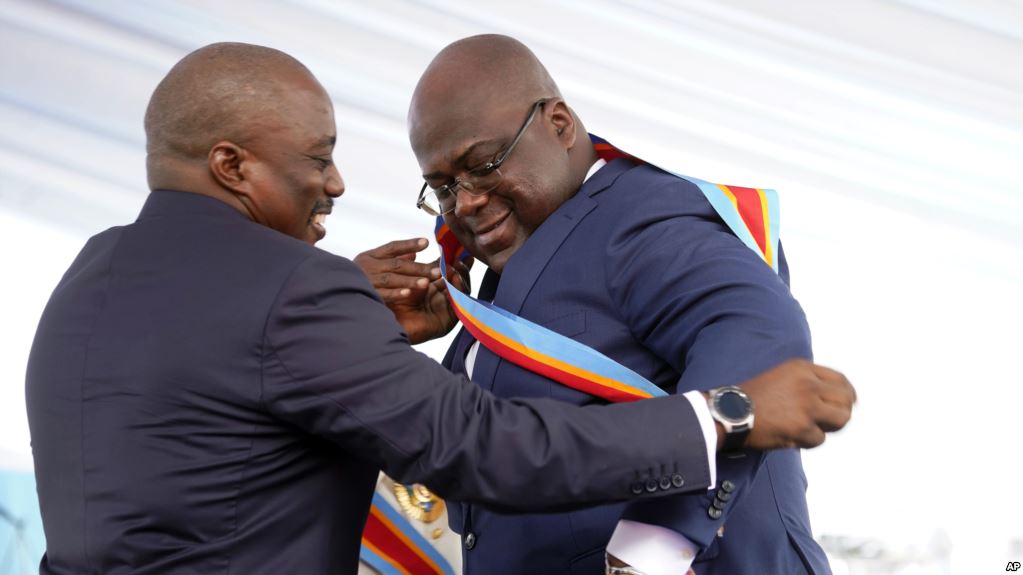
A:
<point x="563" y="120"/>
<point x="226" y="161"/>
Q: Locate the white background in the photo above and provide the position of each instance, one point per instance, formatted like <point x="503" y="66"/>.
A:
<point x="892" y="130"/>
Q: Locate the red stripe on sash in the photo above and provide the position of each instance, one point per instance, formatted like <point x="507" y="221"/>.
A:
<point x="752" y="212"/>
<point x="385" y="540"/>
<point x="524" y="361"/>
<point x="453" y="250"/>
<point x="609" y="153"/>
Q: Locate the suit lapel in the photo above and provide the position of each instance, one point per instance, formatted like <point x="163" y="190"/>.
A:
<point x="461" y="345"/>
<point x="526" y="264"/>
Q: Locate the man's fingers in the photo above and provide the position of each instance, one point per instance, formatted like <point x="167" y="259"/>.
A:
<point x="831" y="417"/>
<point x="412" y="268"/>
<point x="812" y="437"/>
<point x="399" y="247"/>
<point x="837" y="397"/>
<point x="835" y="386"/>
<point x="836" y="381"/>
<point x="458" y="275"/>
<point x="394" y="295"/>
<point x="397" y="281"/>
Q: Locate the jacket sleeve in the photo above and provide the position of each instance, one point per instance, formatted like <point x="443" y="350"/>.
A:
<point x="337" y="365"/>
<point x="708" y="305"/>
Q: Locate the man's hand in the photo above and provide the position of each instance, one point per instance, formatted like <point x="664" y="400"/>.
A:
<point x="413" y="291"/>
<point x="795" y="404"/>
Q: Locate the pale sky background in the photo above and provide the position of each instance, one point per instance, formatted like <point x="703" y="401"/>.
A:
<point x="893" y="132"/>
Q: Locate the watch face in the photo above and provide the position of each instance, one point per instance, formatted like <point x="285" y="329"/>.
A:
<point x="732" y="405"/>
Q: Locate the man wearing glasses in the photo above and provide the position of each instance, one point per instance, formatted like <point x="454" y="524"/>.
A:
<point x="627" y="259"/>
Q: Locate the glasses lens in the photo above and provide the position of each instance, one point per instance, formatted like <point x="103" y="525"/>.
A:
<point x="481" y="181"/>
<point x="440" y="201"/>
<point x="428" y="203"/>
<point x="444" y="198"/>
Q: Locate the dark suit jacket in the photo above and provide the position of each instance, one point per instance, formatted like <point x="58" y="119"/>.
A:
<point x="207" y="395"/>
<point x="638" y="266"/>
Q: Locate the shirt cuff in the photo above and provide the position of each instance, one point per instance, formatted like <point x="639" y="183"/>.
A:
<point x="652" y="549"/>
<point x="710" y="433"/>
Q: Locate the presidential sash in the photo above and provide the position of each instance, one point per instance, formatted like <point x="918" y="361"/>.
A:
<point x="751" y="213"/>
<point x="392" y="546"/>
<point x="451" y="249"/>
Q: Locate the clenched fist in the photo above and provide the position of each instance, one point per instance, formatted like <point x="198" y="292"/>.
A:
<point x="795" y="404"/>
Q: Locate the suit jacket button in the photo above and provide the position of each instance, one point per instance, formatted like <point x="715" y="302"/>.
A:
<point x="665" y="483"/>
<point x="636" y="487"/>
<point x="714" y="513"/>
<point x="723" y="495"/>
<point x="727" y="486"/>
<point x="718" y="504"/>
<point x="651" y="485"/>
<point x="470" y="540"/>
<point x="677" y="480"/>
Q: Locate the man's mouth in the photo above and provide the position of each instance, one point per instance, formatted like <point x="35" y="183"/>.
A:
<point x="491" y="231"/>
<point x="318" y="221"/>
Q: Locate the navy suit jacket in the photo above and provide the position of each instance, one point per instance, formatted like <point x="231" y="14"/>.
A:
<point x="639" y="266"/>
<point x="207" y="395"/>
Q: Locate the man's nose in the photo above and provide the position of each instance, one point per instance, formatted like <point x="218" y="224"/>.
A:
<point x="335" y="184"/>
<point x="467" y="203"/>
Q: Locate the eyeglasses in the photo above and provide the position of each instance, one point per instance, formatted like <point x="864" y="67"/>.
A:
<point x="476" y="182"/>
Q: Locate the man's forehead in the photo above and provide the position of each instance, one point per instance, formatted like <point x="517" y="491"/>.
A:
<point x="443" y="146"/>
<point x="325" y="141"/>
<point x="461" y="119"/>
<point x="299" y="130"/>
<point x="447" y="120"/>
<point x="308" y="110"/>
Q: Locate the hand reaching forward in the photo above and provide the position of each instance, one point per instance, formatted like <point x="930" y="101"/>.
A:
<point x="795" y="404"/>
<point x="413" y="291"/>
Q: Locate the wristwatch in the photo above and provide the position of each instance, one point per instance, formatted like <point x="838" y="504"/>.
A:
<point x="733" y="409"/>
<point x="610" y="569"/>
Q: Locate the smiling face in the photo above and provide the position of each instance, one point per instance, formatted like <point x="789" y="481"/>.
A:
<point x="452" y="136"/>
<point x="293" y="179"/>
<point x="252" y="127"/>
<point x="466" y="111"/>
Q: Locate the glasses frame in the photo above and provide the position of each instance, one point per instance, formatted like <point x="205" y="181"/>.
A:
<point x="484" y="171"/>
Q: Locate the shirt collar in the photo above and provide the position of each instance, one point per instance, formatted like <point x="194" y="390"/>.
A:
<point x="600" y="163"/>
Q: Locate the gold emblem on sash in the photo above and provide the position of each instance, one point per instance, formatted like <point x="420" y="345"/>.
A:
<point x="418" y="502"/>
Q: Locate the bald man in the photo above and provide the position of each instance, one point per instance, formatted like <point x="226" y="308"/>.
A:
<point x="629" y="260"/>
<point x="209" y="393"/>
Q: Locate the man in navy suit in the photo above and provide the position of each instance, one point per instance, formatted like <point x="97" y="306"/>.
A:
<point x="209" y="393"/>
<point x="631" y="261"/>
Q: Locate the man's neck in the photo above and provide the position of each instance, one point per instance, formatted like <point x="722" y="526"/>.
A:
<point x="587" y="157"/>
<point x="171" y="175"/>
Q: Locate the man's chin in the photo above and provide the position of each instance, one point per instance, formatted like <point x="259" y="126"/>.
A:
<point x="497" y="253"/>
<point x="314" y="233"/>
<point x="497" y="261"/>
